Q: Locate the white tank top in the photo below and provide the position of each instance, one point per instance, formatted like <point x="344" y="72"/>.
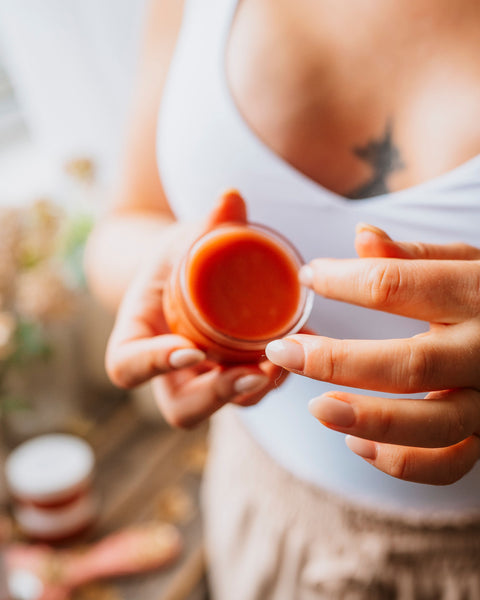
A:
<point x="204" y="147"/>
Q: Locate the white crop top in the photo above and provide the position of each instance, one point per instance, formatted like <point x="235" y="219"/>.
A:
<point x="204" y="147"/>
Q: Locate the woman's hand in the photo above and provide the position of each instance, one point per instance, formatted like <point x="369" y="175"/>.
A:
<point x="434" y="440"/>
<point x="188" y="388"/>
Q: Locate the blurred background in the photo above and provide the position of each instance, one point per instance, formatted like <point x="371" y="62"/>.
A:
<point x="66" y="73"/>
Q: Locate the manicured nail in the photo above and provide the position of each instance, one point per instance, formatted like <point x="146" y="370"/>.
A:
<point x="287" y="354"/>
<point x="360" y="227"/>
<point x="186" y="357"/>
<point x="305" y="275"/>
<point x="333" y="411"/>
<point x="247" y="384"/>
<point x="364" y="448"/>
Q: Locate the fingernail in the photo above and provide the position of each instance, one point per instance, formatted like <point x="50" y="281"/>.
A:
<point x="360" y="227"/>
<point x="333" y="411"/>
<point x="364" y="448"/>
<point x="286" y="353"/>
<point x="250" y="383"/>
<point x="186" y="357"/>
<point x="305" y="275"/>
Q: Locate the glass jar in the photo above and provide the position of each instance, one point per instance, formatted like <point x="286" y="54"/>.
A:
<point x="50" y="480"/>
<point x="235" y="290"/>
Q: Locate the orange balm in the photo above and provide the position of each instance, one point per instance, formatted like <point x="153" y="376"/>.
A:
<point x="243" y="283"/>
<point x="235" y="290"/>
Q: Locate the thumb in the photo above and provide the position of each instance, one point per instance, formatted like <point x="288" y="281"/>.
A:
<point x="372" y="242"/>
<point x="231" y="207"/>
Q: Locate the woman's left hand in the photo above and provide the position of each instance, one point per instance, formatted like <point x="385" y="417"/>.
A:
<point x="434" y="440"/>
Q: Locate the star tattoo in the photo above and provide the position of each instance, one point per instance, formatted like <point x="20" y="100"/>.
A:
<point x="384" y="158"/>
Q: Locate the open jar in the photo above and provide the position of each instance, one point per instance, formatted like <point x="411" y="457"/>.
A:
<point x="235" y="290"/>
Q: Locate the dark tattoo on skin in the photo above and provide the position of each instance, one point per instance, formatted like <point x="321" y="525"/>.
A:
<point x="384" y="158"/>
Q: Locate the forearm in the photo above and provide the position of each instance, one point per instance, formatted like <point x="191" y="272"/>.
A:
<point x="121" y="244"/>
<point x="141" y="223"/>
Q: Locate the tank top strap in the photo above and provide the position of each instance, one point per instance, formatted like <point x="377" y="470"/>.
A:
<point x="209" y="23"/>
<point x="200" y="51"/>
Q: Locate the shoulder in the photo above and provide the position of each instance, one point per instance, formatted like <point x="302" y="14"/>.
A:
<point x="162" y="23"/>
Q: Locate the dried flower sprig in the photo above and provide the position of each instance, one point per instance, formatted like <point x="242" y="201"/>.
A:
<point x="40" y="254"/>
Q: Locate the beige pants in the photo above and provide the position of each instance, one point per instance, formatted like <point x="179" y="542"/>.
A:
<point x="270" y="536"/>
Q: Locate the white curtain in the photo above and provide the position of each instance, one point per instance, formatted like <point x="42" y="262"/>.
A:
<point x="71" y="63"/>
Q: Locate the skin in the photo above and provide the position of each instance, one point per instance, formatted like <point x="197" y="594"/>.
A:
<point x="140" y="348"/>
<point x="297" y="73"/>
<point x="434" y="440"/>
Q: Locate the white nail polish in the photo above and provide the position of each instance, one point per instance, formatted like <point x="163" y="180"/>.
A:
<point x="185" y="357"/>
<point x="250" y="383"/>
<point x="305" y="275"/>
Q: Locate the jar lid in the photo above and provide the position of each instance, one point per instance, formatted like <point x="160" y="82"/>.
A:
<point x="49" y="466"/>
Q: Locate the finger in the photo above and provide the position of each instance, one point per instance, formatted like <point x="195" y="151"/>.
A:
<point x="276" y="376"/>
<point x="370" y="241"/>
<point x="434" y="466"/>
<point x="230" y="208"/>
<point x="443" y="291"/>
<point x="139" y="347"/>
<point x="439" y="359"/>
<point x="440" y="420"/>
<point x="141" y="312"/>
<point x="186" y="401"/>
<point x="131" y="363"/>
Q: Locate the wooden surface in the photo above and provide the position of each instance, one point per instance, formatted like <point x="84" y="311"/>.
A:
<point x="146" y="472"/>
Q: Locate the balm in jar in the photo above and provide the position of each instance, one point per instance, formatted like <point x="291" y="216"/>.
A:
<point x="50" y="480"/>
<point x="235" y="290"/>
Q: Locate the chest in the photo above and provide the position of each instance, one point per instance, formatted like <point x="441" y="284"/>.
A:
<point x="359" y="111"/>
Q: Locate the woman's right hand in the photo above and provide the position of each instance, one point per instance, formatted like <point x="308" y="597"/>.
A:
<point x="187" y="387"/>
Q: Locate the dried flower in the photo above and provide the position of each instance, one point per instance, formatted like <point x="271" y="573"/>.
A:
<point x="7" y="334"/>
<point x="82" y="169"/>
<point x="41" y="229"/>
<point x="97" y="591"/>
<point x="42" y="295"/>
<point x="10" y="238"/>
<point x="175" y="505"/>
<point x="40" y="268"/>
<point x="195" y="457"/>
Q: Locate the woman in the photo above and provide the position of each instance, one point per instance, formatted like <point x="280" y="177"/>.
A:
<point x="324" y="115"/>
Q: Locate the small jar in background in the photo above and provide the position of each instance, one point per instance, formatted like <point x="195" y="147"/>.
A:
<point x="50" y="480"/>
<point x="235" y="290"/>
